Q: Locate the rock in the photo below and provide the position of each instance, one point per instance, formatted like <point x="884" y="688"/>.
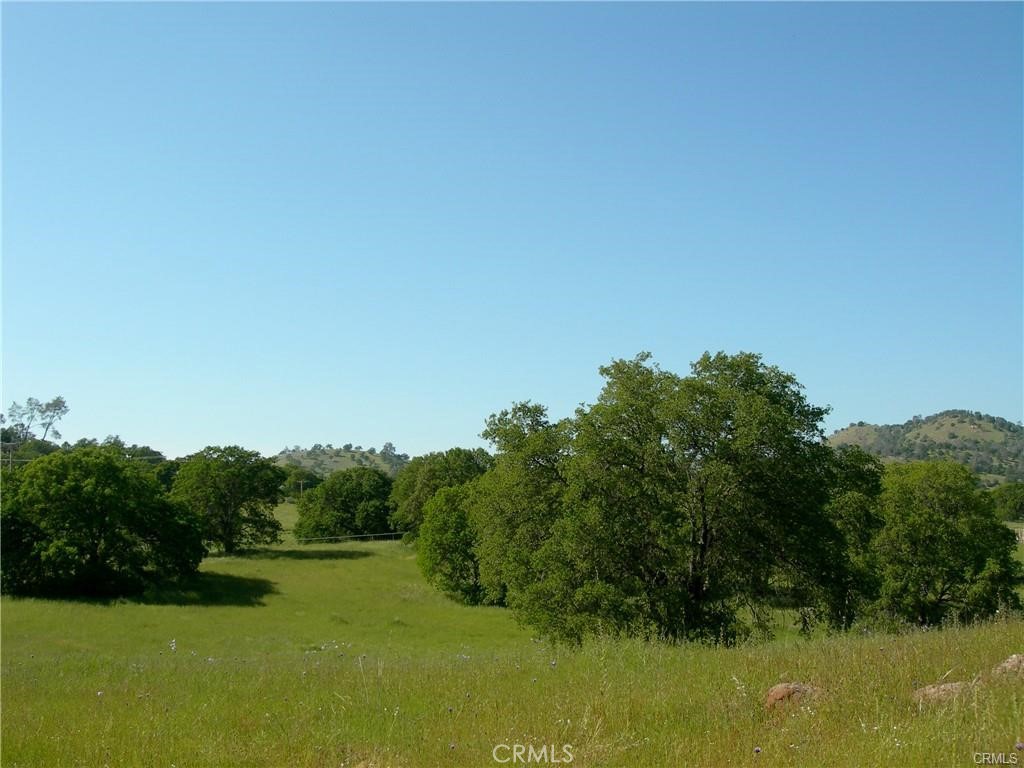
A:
<point x="1012" y="666"/>
<point x="788" y="693"/>
<point x="936" y="694"/>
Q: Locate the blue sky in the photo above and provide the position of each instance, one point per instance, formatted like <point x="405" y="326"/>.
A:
<point x="268" y="225"/>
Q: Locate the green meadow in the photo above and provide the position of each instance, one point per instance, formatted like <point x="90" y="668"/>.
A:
<point x="341" y="655"/>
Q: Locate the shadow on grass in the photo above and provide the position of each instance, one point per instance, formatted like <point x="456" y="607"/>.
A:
<point x="307" y="554"/>
<point x="210" y="588"/>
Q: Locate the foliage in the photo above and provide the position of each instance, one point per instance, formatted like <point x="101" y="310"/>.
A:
<point x="349" y="502"/>
<point x="665" y="507"/>
<point x="1009" y="501"/>
<point x="233" y="491"/>
<point x="518" y="500"/>
<point x="90" y="521"/>
<point x="942" y="553"/>
<point x="299" y="480"/>
<point x="25" y="418"/>
<point x="30" y="449"/>
<point x="18" y="438"/>
<point x="424" y="476"/>
<point x="445" y="548"/>
<point x="166" y="471"/>
<point x="856" y="483"/>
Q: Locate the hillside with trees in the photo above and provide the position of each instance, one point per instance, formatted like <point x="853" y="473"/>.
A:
<point x="325" y="459"/>
<point x="990" y="446"/>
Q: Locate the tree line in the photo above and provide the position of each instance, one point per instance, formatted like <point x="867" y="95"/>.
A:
<point x="689" y="507"/>
<point x="676" y="507"/>
<point x="105" y="518"/>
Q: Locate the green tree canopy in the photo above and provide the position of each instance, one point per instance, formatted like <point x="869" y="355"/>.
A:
<point x="233" y="491"/>
<point x="517" y="502"/>
<point x="299" y="480"/>
<point x="664" y="508"/>
<point x="349" y="502"/>
<point x="1009" y="501"/>
<point x="422" y="477"/>
<point x="854" y="509"/>
<point x="445" y="548"/>
<point x="942" y="553"/>
<point x="90" y="521"/>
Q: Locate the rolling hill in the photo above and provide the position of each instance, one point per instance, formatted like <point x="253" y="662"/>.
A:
<point x="324" y="459"/>
<point x="991" y="446"/>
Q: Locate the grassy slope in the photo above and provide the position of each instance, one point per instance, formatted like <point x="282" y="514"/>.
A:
<point x="327" y="461"/>
<point x="958" y="436"/>
<point x="341" y="654"/>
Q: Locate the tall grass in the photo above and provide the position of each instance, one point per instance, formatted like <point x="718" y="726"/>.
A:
<point x="341" y="655"/>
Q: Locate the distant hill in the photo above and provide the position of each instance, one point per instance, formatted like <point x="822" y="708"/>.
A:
<point x="324" y="459"/>
<point x="991" y="446"/>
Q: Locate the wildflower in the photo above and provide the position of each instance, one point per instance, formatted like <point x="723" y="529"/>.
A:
<point x="99" y="693"/>
<point x="757" y="750"/>
<point x="173" y="645"/>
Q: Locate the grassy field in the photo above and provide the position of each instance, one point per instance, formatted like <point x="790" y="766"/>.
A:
<point x="341" y="656"/>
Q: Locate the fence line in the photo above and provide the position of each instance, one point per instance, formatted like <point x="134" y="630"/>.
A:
<point x="384" y="536"/>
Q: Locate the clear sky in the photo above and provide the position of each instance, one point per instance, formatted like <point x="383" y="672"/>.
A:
<point x="268" y="225"/>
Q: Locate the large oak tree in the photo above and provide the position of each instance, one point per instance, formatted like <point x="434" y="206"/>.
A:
<point x="92" y="521"/>
<point x="234" y="492"/>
